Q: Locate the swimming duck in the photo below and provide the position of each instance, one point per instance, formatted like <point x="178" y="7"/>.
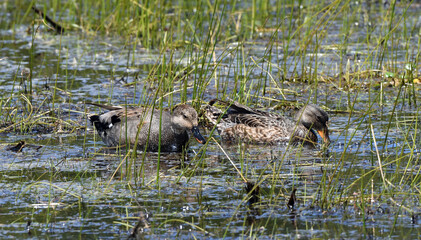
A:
<point x="120" y="127"/>
<point x="256" y="126"/>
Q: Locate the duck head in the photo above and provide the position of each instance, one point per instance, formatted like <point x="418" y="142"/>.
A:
<point x="314" y="118"/>
<point x="185" y="117"/>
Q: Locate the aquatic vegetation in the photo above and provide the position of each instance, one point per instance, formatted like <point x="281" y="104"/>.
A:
<point x="358" y="59"/>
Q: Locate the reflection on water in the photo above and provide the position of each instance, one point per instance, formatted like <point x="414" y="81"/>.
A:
<point x="63" y="183"/>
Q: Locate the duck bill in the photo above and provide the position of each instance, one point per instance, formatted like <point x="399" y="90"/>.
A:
<point x="197" y="135"/>
<point x="325" y="135"/>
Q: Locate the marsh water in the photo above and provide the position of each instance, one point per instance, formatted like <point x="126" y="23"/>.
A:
<point x="64" y="184"/>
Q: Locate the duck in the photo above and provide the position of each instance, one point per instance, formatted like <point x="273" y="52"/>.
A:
<point x="240" y="122"/>
<point x="151" y="129"/>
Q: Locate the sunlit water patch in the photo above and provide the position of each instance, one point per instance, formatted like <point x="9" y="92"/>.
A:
<point x="64" y="183"/>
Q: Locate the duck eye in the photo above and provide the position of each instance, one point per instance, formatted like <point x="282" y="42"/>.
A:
<point x="184" y="116"/>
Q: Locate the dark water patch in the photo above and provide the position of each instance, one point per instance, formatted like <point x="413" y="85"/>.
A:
<point x="71" y="188"/>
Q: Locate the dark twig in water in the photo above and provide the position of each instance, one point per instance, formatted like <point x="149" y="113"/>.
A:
<point x="142" y="223"/>
<point x="292" y="199"/>
<point x="28" y="227"/>
<point x="18" y="147"/>
<point x="254" y="192"/>
<point x="59" y="29"/>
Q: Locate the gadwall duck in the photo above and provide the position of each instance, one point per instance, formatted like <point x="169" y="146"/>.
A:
<point x="120" y="127"/>
<point x="256" y="126"/>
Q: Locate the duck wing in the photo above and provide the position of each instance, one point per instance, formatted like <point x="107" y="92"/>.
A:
<point x="256" y="120"/>
<point x="234" y="107"/>
<point x="241" y="114"/>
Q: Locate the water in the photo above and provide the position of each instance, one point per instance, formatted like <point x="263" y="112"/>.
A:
<point x="63" y="185"/>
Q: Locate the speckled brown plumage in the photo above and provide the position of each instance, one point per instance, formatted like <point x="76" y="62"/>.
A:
<point x="240" y="122"/>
